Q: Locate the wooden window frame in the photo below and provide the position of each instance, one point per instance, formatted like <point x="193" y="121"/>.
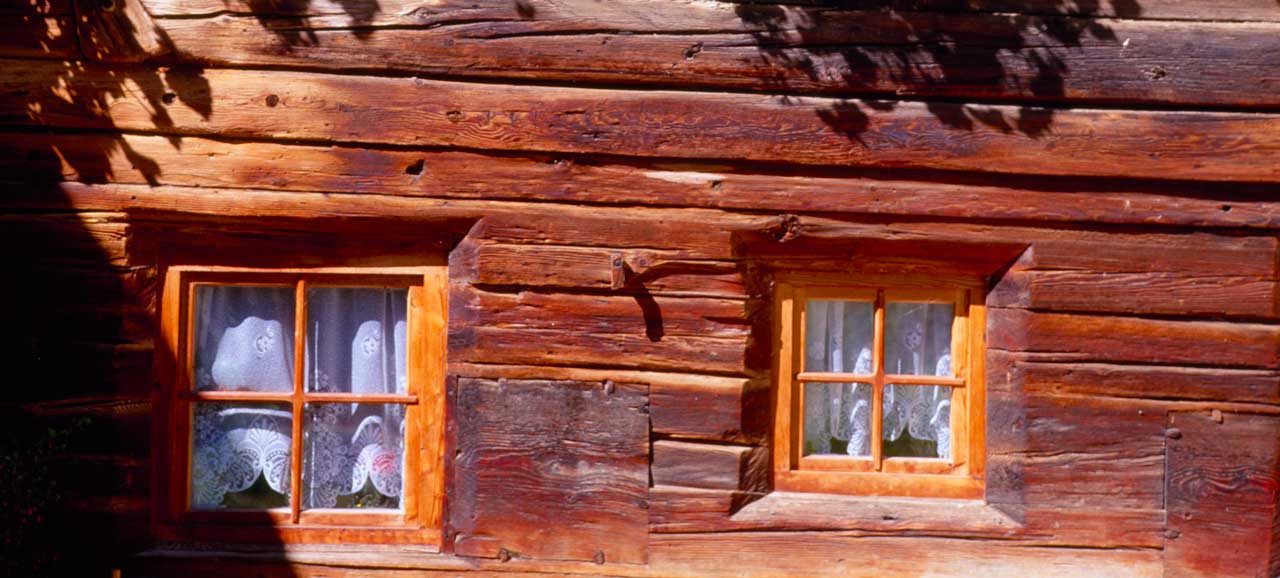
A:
<point x="962" y="476"/>
<point x="418" y="522"/>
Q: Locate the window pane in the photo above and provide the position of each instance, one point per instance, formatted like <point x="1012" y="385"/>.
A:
<point x="918" y="338"/>
<point x="917" y="421"/>
<point x="837" y="419"/>
<point x="240" y="455"/>
<point x="244" y="338"/>
<point x="838" y="336"/>
<point x="356" y="340"/>
<point x="353" y="455"/>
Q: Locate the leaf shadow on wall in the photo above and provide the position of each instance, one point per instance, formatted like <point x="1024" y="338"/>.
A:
<point x="887" y="49"/>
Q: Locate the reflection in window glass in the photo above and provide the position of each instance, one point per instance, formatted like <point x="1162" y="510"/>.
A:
<point x="353" y="455"/>
<point x="837" y="419"/>
<point x="838" y="336"/>
<point x="244" y="338"/>
<point x="917" y="421"/>
<point x="240" y="456"/>
<point x="356" y="340"/>
<point x="918" y="338"/>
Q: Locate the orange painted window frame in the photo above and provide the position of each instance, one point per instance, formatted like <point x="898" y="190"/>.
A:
<point x="961" y="477"/>
<point x="418" y="522"/>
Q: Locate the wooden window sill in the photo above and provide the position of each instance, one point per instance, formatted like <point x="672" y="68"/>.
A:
<point x="940" y="516"/>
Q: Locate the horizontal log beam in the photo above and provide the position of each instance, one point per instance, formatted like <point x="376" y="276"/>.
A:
<point x="712" y="466"/>
<point x="815" y="49"/>
<point x="1188" y="295"/>
<point x="127" y="159"/>
<point x="1078" y="338"/>
<point x="806" y="131"/>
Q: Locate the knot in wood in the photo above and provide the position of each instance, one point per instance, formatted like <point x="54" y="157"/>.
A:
<point x="608" y="387"/>
<point x="788" y="228"/>
<point x="504" y="554"/>
<point x="1173" y="433"/>
<point x="1216" y="415"/>
<point x="107" y="5"/>
<point x="599" y="557"/>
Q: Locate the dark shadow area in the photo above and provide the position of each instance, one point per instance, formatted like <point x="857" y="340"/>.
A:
<point x="931" y="49"/>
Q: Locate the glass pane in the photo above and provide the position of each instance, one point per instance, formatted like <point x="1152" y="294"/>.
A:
<point x="240" y="455"/>
<point x="353" y="455"/>
<point x="838" y="335"/>
<point x="917" y="421"/>
<point x="837" y="419"/>
<point x="356" y="340"/>
<point x="918" y="338"/>
<point x="244" y="338"/>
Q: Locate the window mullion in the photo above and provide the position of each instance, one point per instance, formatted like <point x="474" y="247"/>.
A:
<point x="877" y="386"/>
<point x="299" y="369"/>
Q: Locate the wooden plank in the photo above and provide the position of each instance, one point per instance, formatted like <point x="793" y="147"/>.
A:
<point x="399" y="11"/>
<point x="651" y="317"/>
<point x="820" y="49"/>
<point x="1223" y="487"/>
<point x="37" y="35"/>
<point x="569" y="267"/>
<point x="1055" y="452"/>
<point x="737" y="412"/>
<point x="681" y="405"/>
<point x="713" y="466"/>
<point x="550" y="470"/>
<point x="1134" y="381"/>
<point x="1062" y="337"/>
<point x="1244" y="10"/>
<point x="550" y="346"/>
<point x="683" y="510"/>
<point x="822" y="132"/>
<point x="135" y="159"/>
<point x="752" y="554"/>
<point x="120" y="31"/>
<point x="1139" y="293"/>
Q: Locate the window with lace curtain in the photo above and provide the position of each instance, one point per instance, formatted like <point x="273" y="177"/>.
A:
<point x="307" y="402"/>
<point x="879" y="389"/>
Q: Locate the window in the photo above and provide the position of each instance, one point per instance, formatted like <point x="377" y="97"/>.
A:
<point x="879" y="389"/>
<point x="304" y="405"/>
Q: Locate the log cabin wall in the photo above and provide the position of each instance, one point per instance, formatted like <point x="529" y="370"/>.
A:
<point x="613" y="183"/>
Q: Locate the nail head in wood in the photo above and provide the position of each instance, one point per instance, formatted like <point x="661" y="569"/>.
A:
<point x="1173" y="433"/>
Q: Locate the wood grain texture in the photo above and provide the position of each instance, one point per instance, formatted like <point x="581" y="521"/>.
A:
<point x="1062" y="337"/>
<point x="807" y="131"/>
<point x="684" y="510"/>
<point x="813" y="554"/>
<point x="1133" y="381"/>
<point x="1054" y="452"/>
<point x="550" y="470"/>
<point x="726" y="467"/>
<point x="135" y="159"/>
<point x="818" y="49"/>
<point x="1139" y="293"/>
<point x="1223" y="487"/>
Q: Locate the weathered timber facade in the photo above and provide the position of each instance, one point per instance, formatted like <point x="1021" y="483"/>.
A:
<point x="616" y="188"/>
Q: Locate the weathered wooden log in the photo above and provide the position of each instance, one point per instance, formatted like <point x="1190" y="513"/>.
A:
<point x="1132" y="381"/>
<point x="978" y="55"/>
<point x="713" y="466"/>
<point x="553" y="470"/>
<point x="810" y="554"/>
<point x="1051" y="452"/>
<point x="1080" y="338"/>
<point x="807" y="131"/>
<point x="686" y="510"/>
<point x="135" y="159"/>
<point x="1223" y="489"/>
<point x="1139" y="293"/>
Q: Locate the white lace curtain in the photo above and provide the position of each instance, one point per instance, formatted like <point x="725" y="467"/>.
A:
<point x="352" y="453"/>
<point x="839" y="338"/>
